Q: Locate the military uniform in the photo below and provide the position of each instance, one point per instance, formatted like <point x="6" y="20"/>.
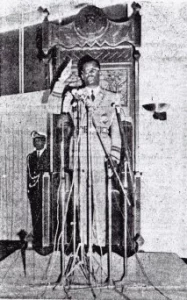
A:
<point x="102" y="111"/>
<point x="36" y="166"/>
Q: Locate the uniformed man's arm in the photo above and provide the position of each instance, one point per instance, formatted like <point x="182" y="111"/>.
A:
<point x="54" y="105"/>
<point x="55" y="98"/>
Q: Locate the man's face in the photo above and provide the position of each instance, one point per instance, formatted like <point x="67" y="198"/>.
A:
<point x="91" y="74"/>
<point x="39" y="143"/>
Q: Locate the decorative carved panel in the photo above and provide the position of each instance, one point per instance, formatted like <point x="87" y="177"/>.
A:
<point x="90" y="23"/>
<point x="124" y="55"/>
<point x="117" y="80"/>
<point x="91" y="28"/>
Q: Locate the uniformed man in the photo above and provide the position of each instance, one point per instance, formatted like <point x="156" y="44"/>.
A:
<point x="91" y="109"/>
<point x="37" y="164"/>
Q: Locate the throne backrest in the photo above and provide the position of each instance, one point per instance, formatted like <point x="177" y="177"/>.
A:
<point x="111" y="42"/>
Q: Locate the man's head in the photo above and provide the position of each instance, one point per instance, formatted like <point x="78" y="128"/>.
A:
<point x="89" y="71"/>
<point x="39" y="140"/>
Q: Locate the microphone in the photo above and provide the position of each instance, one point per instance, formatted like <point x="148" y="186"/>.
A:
<point x="117" y="108"/>
<point x="79" y="95"/>
<point x="116" y="105"/>
<point x="72" y="97"/>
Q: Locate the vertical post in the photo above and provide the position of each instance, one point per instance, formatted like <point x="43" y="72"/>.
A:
<point x="136" y="112"/>
<point x="89" y="195"/>
<point x="46" y="211"/>
<point x="74" y="219"/>
<point x="62" y="201"/>
<point x="136" y="210"/>
<point x="125" y="214"/>
<point x="51" y="117"/>
<point x="109" y="224"/>
<point x="76" y="176"/>
<point x="137" y="216"/>
<point x="21" y="56"/>
<point x="51" y="121"/>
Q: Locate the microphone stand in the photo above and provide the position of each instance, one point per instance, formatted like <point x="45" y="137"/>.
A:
<point x="126" y="201"/>
<point x="65" y="273"/>
<point x="108" y="157"/>
<point x="61" y="278"/>
<point x="126" y="168"/>
<point x="79" y="250"/>
<point x="76" y="249"/>
<point x="124" y="138"/>
<point x="89" y="188"/>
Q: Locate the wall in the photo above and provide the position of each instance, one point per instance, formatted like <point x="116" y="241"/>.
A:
<point x="19" y="116"/>
<point x="163" y="144"/>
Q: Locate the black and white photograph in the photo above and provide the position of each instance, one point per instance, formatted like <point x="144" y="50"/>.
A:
<point x="93" y="155"/>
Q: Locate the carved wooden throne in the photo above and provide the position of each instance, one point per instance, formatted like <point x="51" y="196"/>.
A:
<point x="114" y="44"/>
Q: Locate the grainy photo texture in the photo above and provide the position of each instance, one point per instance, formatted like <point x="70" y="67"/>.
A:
<point x="93" y="157"/>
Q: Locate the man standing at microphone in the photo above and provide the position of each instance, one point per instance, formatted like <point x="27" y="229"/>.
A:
<point x="87" y="156"/>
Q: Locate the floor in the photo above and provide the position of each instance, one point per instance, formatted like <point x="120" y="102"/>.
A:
<point x="149" y="276"/>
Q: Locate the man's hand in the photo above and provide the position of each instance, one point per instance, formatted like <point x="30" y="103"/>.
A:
<point x="66" y="73"/>
<point x="61" y="82"/>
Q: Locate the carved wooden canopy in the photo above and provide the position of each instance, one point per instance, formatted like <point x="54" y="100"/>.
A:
<point x="90" y="28"/>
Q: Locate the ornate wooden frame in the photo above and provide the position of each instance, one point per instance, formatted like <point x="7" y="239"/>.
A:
<point x="114" y="45"/>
